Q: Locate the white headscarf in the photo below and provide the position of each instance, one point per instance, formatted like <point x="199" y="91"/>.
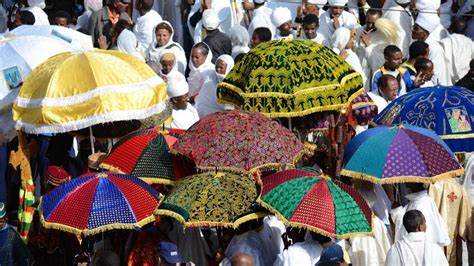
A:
<point x="338" y="43"/>
<point x="198" y="75"/>
<point x="229" y="65"/>
<point x="338" y="2"/>
<point x="127" y="43"/>
<point x="154" y="50"/>
<point x="281" y="15"/>
<point x="240" y="39"/>
<point x="38" y="3"/>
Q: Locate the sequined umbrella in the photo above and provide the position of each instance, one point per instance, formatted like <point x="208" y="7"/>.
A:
<point x="289" y="78"/>
<point x="446" y="110"/>
<point x="212" y="199"/>
<point x="97" y="202"/>
<point x="239" y="141"/>
<point x="316" y="203"/>
<point x="399" y="154"/>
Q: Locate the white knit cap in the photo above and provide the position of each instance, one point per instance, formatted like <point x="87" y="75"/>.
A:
<point x="317" y="2"/>
<point x="259" y="1"/>
<point x="337" y="2"/>
<point x="177" y="87"/>
<point x="280" y="16"/>
<point x="210" y="19"/>
<point x="428" y="5"/>
<point x="428" y="21"/>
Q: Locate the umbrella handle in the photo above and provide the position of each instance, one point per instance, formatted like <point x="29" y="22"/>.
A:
<point x="91" y="137"/>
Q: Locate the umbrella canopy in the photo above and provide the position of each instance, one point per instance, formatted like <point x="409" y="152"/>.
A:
<point x="290" y="78"/>
<point x="79" y="41"/>
<point x="145" y="154"/>
<point x="72" y="91"/>
<point x="212" y="199"/>
<point x="448" y="111"/>
<point x="399" y="154"/>
<point x="20" y="55"/>
<point x="316" y="203"/>
<point x="97" y="202"/>
<point x="239" y="141"/>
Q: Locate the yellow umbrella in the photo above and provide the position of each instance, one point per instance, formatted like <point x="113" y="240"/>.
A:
<point x="72" y="91"/>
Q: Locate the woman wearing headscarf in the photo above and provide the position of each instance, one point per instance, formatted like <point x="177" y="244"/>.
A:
<point x="163" y="39"/>
<point x="341" y="42"/>
<point x="201" y="68"/>
<point x="206" y="101"/>
<point x="239" y="36"/>
<point x="127" y="43"/>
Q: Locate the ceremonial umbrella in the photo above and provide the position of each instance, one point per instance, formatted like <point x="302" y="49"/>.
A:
<point x="448" y="111"/>
<point x="145" y="154"/>
<point x="399" y="154"/>
<point x="97" y="202"/>
<point x="239" y="141"/>
<point x="316" y="203"/>
<point x="288" y="78"/>
<point x="72" y="91"/>
<point x="212" y="199"/>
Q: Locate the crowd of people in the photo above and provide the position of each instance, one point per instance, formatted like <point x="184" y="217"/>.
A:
<point x="395" y="45"/>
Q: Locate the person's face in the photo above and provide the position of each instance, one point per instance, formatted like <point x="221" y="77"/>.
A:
<point x="285" y="28"/>
<point x="390" y="93"/>
<point x="162" y="37"/>
<point x="255" y="40"/>
<point x="221" y="67"/>
<point x="336" y="11"/>
<point x="2" y="223"/>
<point x="18" y="20"/>
<point x="428" y="72"/>
<point x="370" y="21"/>
<point x="120" y="6"/>
<point x="310" y="30"/>
<point x="418" y="33"/>
<point x="197" y="57"/>
<point x="456" y="115"/>
<point x="181" y="102"/>
<point x="166" y="66"/>
<point x="311" y="9"/>
<point x="61" y="22"/>
<point x="394" y="61"/>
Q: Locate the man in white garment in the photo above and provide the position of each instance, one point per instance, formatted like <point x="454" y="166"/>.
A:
<point x="184" y="114"/>
<point x="367" y="38"/>
<point x="310" y="28"/>
<point x="261" y="17"/>
<point x="36" y="7"/>
<point x="388" y="87"/>
<point x="281" y="18"/>
<point x="299" y="251"/>
<point x="398" y="11"/>
<point x="437" y="229"/>
<point x="425" y="24"/>
<point x="222" y="7"/>
<point x="415" y="248"/>
<point x="336" y="17"/>
<point x="145" y="24"/>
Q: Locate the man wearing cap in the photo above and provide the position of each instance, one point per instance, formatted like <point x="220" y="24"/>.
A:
<point x="169" y="254"/>
<point x="12" y="248"/>
<point x="425" y="24"/>
<point x="336" y="17"/>
<point x="218" y="42"/>
<point x="261" y="17"/>
<point x="398" y="11"/>
<point x="184" y="114"/>
<point x="221" y="7"/>
<point x="102" y="21"/>
<point x="281" y="18"/>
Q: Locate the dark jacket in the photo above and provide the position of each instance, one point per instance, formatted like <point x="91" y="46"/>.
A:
<point x="100" y="24"/>
<point x="467" y="82"/>
<point x="219" y="43"/>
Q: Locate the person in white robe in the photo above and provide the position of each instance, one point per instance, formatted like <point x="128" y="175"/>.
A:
<point x="261" y="17"/>
<point x="201" y="67"/>
<point x="415" y="248"/>
<point x="168" y="67"/>
<point x="301" y="253"/>
<point x="437" y="229"/>
<point x="127" y="43"/>
<point x="222" y="7"/>
<point x="281" y="19"/>
<point x="36" y="7"/>
<point x="145" y="24"/>
<point x="310" y="28"/>
<point x="240" y="39"/>
<point x="336" y="17"/>
<point x="398" y="11"/>
<point x="425" y="24"/>
<point x="163" y="39"/>
<point x="206" y="101"/>
<point x="341" y="43"/>
<point x="184" y="115"/>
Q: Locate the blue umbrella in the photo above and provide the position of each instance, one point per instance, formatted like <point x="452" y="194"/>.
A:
<point x="446" y="110"/>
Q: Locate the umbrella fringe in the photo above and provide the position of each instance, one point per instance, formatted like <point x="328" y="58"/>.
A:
<point x="402" y="179"/>
<point x="150" y="180"/>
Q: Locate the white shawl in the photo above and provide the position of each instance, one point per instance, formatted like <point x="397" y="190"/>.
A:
<point x="458" y="50"/>
<point x="144" y="29"/>
<point x="326" y="26"/>
<point x="199" y="75"/>
<point x="127" y="43"/>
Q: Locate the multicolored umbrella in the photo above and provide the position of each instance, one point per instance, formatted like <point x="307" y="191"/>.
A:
<point x="212" y="199"/>
<point x="316" y="203"/>
<point x="399" y="154"/>
<point x="72" y="91"/>
<point x="448" y="111"/>
<point x="239" y="141"/>
<point x="145" y="154"/>
<point x="289" y="78"/>
<point x="97" y="202"/>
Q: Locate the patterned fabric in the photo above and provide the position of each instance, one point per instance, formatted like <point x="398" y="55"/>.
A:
<point x="239" y="141"/>
<point x="448" y="111"/>
<point x="211" y="199"/>
<point x="361" y="110"/>
<point x="289" y="78"/>
<point x="399" y="154"/>
<point x="98" y="202"/>
<point x="318" y="204"/>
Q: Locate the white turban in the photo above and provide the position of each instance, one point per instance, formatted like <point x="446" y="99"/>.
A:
<point x="38" y="3"/>
<point x="259" y="1"/>
<point x="428" y="5"/>
<point x="177" y="87"/>
<point x="280" y="16"/>
<point x="337" y="2"/>
<point x="210" y="19"/>
<point x="317" y="2"/>
<point x="428" y="21"/>
<point x="340" y="38"/>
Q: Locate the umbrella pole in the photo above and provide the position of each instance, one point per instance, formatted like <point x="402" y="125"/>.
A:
<point x="289" y="124"/>
<point x="91" y="137"/>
